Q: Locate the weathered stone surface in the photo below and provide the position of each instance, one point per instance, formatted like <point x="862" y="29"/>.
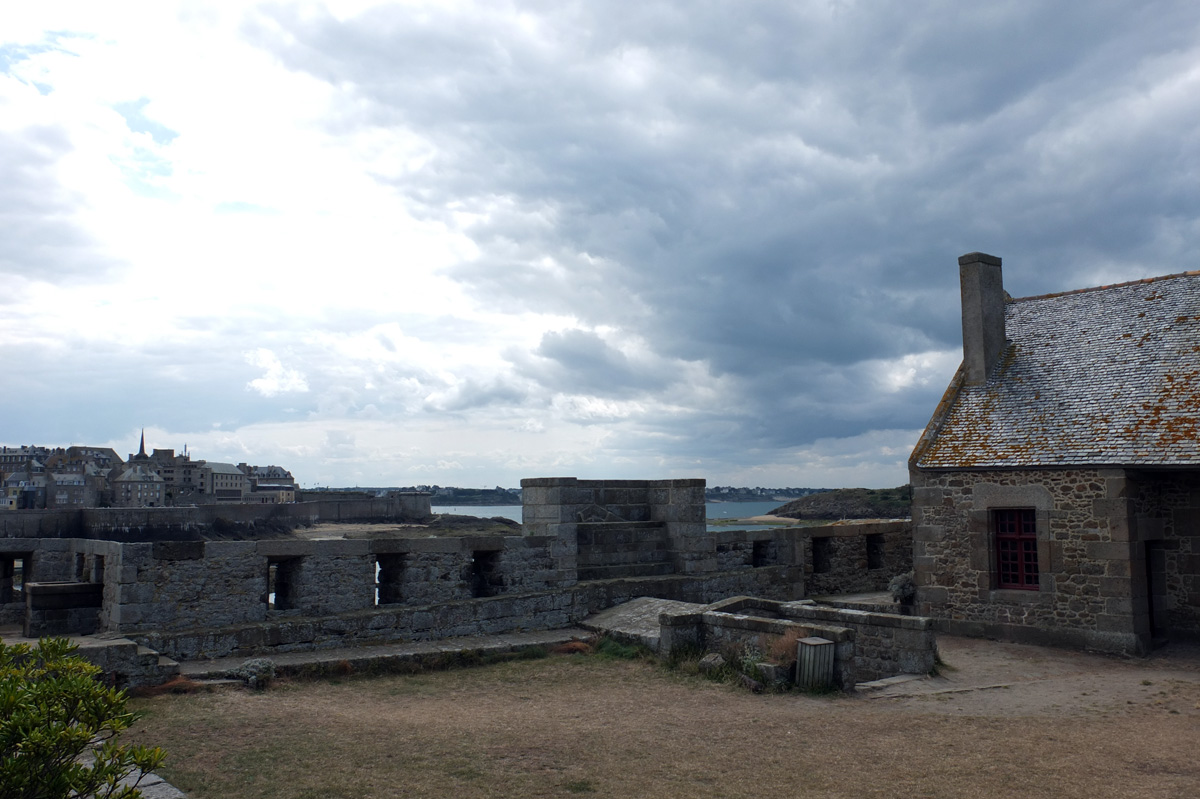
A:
<point x="1097" y="529"/>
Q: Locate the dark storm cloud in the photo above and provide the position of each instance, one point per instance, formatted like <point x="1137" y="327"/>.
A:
<point x="578" y="361"/>
<point x="778" y="191"/>
<point x="474" y="394"/>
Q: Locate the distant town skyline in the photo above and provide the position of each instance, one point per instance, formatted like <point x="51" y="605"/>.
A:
<point x="467" y="243"/>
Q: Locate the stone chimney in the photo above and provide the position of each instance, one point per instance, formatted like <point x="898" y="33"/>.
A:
<point x="982" y="314"/>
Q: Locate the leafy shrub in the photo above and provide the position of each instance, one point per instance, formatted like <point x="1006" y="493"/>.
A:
<point x="903" y="588"/>
<point x="53" y="710"/>
<point x="612" y="648"/>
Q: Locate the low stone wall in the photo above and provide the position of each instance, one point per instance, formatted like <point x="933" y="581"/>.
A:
<point x="730" y="626"/>
<point x="885" y="644"/>
<point x="868" y="646"/>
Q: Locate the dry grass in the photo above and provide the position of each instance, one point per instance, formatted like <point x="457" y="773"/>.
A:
<point x="577" y="725"/>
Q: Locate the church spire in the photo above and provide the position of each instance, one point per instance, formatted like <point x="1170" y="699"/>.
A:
<point x="142" y="446"/>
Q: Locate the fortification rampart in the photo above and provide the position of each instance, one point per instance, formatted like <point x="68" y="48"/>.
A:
<point x="586" y="545"/>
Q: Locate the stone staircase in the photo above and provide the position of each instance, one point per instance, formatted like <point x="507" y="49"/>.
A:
<point x="619" y="549"/>
<point x="125" y="663"/>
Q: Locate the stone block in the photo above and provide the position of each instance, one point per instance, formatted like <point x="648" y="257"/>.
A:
<point x="1114" y="623"/>
<point x="344" y="547"/>
<point x="1118" y="606"/>
<point x="934" y="596"/>
<point x="1101" y="550"/>
<point x="230" y="549"/>
<point x="285" y="548"/>
<point x="929" y="533"/>
<point x="177" y="550"/>
<point x="1115" y="586"/>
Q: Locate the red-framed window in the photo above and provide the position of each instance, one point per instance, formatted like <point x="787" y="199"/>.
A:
<point x="1016" y="548"/>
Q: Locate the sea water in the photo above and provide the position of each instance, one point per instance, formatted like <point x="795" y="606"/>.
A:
<point x="716" y="511"/>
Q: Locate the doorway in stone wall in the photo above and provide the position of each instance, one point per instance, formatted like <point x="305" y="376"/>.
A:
<point x="1156" y="591"/>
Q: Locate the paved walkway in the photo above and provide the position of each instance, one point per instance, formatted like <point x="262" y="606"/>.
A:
<point x="636" y="619"/>
<point x="365" y="658"/>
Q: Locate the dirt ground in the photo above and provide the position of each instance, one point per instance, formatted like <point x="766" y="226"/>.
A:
<point x="992" y="678"/>
<point x="999" y="720"/>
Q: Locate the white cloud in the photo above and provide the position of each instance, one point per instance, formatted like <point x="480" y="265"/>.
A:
<point x="492" y="240"/>
<point x="277" y="379"/>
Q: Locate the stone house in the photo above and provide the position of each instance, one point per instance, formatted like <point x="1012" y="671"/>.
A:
<point x="223" y="482"/>
<point x="138" y="486"/>
<point x="1056" y="490"/>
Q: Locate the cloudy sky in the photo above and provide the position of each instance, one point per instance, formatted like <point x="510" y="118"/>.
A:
<point x="465" y="243"/>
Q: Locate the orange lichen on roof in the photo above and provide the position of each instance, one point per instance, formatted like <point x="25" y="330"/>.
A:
<point x="1092" y="377"/>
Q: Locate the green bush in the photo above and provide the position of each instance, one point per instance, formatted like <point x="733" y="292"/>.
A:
<point x="58" y="728"/>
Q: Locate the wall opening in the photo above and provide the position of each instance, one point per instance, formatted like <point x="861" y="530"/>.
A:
<point x="15" y="571"/>
<point x="762" y="554"/>
<point x="389" y="577"/>
<point x="486" y="579"/>
<point x="822" y="555"/>
<point x="282" y="583"/>
<point x="875" y="550"/>
<point x="1156" y="590"/>
<point x="80" y="567"/>
<point x="97" y="569"/>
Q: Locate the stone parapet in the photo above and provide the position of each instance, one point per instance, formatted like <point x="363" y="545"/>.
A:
<point x="535" y="610"/>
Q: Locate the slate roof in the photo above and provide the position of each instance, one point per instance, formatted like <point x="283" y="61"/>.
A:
<point x="1103" y="376"/>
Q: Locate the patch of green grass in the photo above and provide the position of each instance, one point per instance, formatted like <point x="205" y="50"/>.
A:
<point x="620" y="650"/>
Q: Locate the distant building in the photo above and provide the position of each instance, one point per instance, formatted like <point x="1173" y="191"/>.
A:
<point x="67" y="487"/>
<point x="36" y="477"/>
<point x="138" y="486"/>
<point x="26" y="490"/>
<point x="275" y="476"/>
<point x="223" y="482"/>
<point x="16" y="459"/>
<point x="182" y="476"/>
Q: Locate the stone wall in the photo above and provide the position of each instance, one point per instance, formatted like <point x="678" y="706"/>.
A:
<point x="623" y="549"/>
<point x="1089" y="593"/>
<point x="556" y="506"/>
<point x="197" y="598"/>
<point x="854" y="557"/>
<point x="547" y="609"/>
<point x="41" y="561"/>
<point x="184" y="585"/>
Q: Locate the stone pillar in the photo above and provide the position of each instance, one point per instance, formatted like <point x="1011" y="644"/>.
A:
<point x="549" y="506"/>
<point x="680" y="505"/>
